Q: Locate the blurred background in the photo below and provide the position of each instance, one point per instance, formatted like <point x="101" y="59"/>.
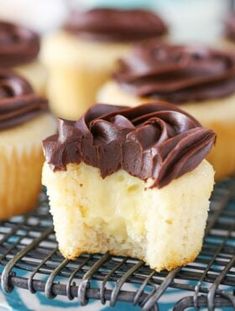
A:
<point x="196" y="20"/>
<point x="189" y="21"/>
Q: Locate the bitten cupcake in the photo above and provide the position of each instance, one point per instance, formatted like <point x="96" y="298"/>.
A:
<point x="19" y="49"/>
<point x="131" y="181"/>
<point x="81" y="57"/>
<point x="199" y="79"/>
<point x="24" y="123"/>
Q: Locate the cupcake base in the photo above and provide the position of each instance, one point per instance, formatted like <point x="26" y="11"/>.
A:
<point x="164" y="227"/>
<point x="20" y="184"/>
<point x="77" y="69"/>
<point x="71" y="89"/>
<point x="217" y="114"/>
<point x="36" y="74"/>
<point x="21" y="160"/>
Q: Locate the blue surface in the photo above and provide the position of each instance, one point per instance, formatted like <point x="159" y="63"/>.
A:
<point x="22" y="300"/>
<point x="121" y="4"/>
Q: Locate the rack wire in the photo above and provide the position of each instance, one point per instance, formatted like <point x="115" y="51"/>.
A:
<point x="29" y="259"/>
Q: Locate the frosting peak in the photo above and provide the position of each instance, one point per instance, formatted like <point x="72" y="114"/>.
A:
<point x="157" y="141"/>
<point x="177" y="73"/>
<point x="18" y="102"/>
<point x="116" y="25"/>
<point x="18" y="45"/>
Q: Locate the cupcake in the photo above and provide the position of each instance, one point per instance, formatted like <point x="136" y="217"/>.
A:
<point x="123" y="179"/>
<point x="24" y="123"/>
<point x="19" y="51"/>
<point x="198" y="79"/>
<point x="81" y="57"/>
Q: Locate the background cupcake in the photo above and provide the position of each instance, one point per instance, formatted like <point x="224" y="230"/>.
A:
<point x="81" y="57"/>
<point x="24" y="122"/>
<point x="19" y="49"/>
<point x="200" y="79"/>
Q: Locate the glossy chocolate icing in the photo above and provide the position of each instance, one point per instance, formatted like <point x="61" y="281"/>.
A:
<point x="18" y="45"/>
<point x="116" y="25"/>
<point x="157" y="141"/>
<point x="177" y="73"/>
<point x="18" y="102"/>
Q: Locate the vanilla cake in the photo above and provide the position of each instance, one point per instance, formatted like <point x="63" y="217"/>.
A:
<point x="130" y="181"/>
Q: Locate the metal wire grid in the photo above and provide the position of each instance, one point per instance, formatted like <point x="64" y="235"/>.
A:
<point x="30" y="259"/>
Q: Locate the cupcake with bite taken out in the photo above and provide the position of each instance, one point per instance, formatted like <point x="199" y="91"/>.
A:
<point x="123" y="179"/>
<point x="19" y="49"/>
<point x="24" y="123"/>
<point x="198" y="79"/>
<point x="81" y="56"/>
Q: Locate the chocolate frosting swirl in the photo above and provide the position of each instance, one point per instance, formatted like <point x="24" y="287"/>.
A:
<point x="18" y="102"/>
<point x="18" y="45"/>
<point x="230" y="27"/>
<point x="116" y="25"/>
<point x="156" y="140"/>
<point x="177" y="73"/>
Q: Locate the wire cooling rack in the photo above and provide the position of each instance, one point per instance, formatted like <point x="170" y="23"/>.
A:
<point x="29" y="259"/>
